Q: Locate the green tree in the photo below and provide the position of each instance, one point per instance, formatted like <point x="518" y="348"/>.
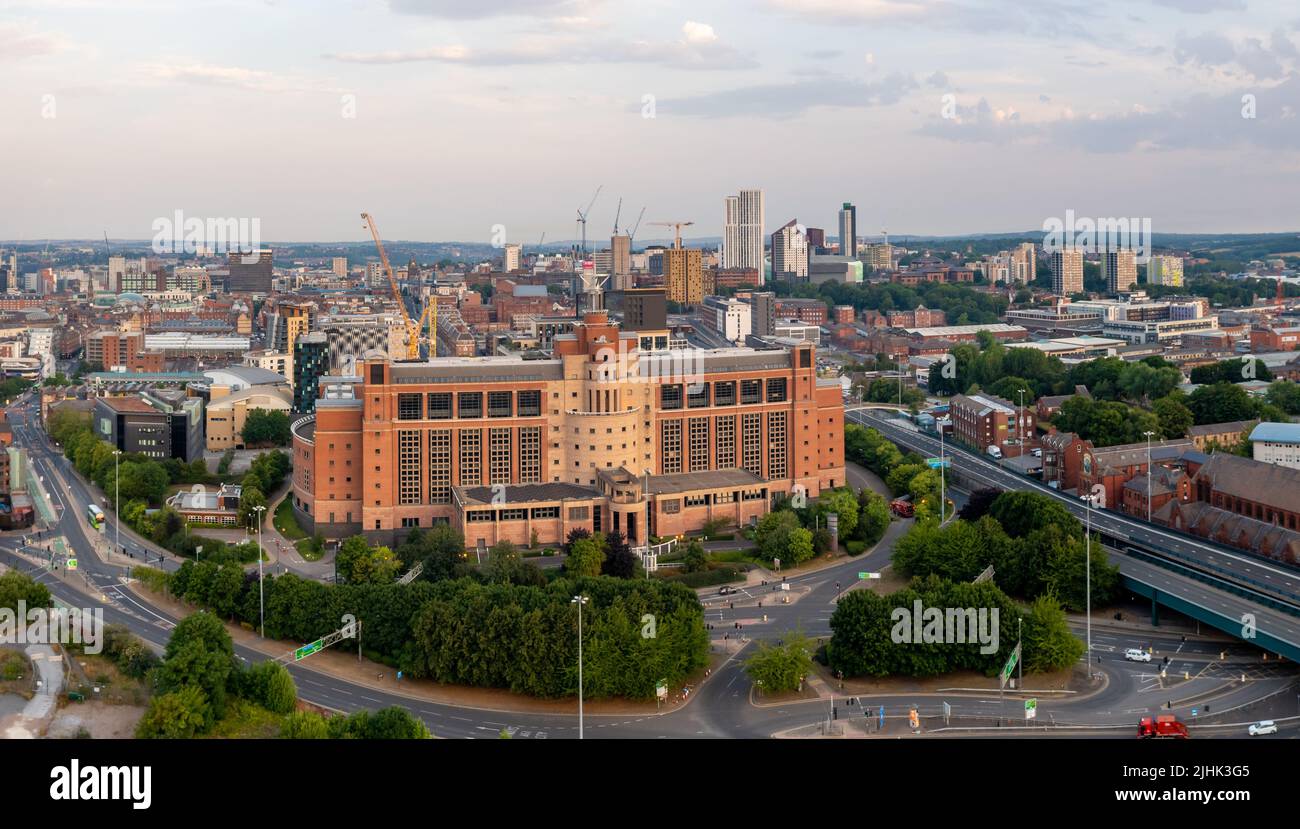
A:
<point x="17" y="587"/>
<point x="269" y="685"/>
<point x="1221" y="403"/>
<point x="264" y="427"/>
<point x="694" y="558"/>
<point x="781" y="667"/>
<point x="1174" y="417"/>
<point x="304" y="725"/>
<point x="1022" y="512"/>
<point x="1049" y="644"/>
<point x="199" y="654"/>
<point x="175" y="715"/>
<point x="249" y="501"/>
<point x="1285" y="395"/>
<point x="586" y="555"/>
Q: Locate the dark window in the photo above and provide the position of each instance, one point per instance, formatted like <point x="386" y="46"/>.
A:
<point x="776" y="390"/>
<point x="530" y="403"/>
<point x="408" y="406"/>
<point x="470" y="404"/>
<point x="440" y="405"/>
<point x="697" y="395"/>
<point x="377" y="377"/>
<point x="499" y="404"/>
<point x="724" y="394"/>
<point x="805" y="358"/>
<point x="670" y="397"/>
<point x="751" y="391"/>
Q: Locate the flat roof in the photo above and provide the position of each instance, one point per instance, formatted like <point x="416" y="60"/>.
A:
<point x="946" y="330"/>
<point x="691" y="481"/>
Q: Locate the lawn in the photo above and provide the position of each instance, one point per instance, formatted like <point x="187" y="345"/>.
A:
<point x="286" y="523"/>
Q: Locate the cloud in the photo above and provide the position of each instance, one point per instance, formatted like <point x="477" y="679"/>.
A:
<point x="237" y="77"/>
<point x="1251" y="55"/>
<point x="781" y="101"/>
<point x="699" y="48"/>
<point x="1002" y="16"/>
<point x="481" y="9"/>
<point x="1202" y="6"/>
<point x="20" y="42"/>
<point x="937" y="79"/>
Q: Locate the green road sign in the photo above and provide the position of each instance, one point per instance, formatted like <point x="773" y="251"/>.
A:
<point x="661" y="688"/>
<point x="1010" y="666"/>
<point x="307" y="650"/>
<point x="868" y="575"/>
<point x="72" y="564"/>
<point x="1031" y="709"/>
<point x="935" y="463"/>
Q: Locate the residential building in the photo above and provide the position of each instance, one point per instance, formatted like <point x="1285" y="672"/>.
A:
<point x="514" y="257"/>
<point x="1119" y="270"/>
<point x="311" y="362"/>
<point x="684" y="275"/>
<point x="742" y="239"/>
<point x="981" y="421"/>
<point x="1067" y="272"/>
<point x="1221" y="436"/>
<point x="790" y="252"/>
<point x="1165" y="270"/>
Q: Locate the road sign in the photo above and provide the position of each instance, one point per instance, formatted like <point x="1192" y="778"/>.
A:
<point x="72" y="564"/>
<point x="661" y="689"/>
<point x="882" y="716"/>
<point x="935" y="463"/>
<point x="868" y="575"/>
<point x="1009" y="667"/>
<point x="1031" y="709"/>
<point x="307" y="650"/>
<point x="947" y="713"/>
<point x="987" y="575"/>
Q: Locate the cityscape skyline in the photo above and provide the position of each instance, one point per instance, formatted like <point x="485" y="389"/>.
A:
<point x="406" y="108"/>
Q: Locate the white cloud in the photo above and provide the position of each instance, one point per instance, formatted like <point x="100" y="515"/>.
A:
<point x="698" y="32"/>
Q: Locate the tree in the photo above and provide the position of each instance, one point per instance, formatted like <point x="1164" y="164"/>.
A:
<point x="1285" y="395"/>
<point x="176" y="715"/>
<point x="264" y="427"/>
<point x="17" y="587"/>
<point x="269" y="685"/>
<point x="1022" y="512"/>
<point x="772" y="535"/>
<point x="304" y="725"/>
<point x="1049" y="644"/>
<point x="695" y="559"/>
<point x="842" y="503"/>
<point x="586" y="555"/>
<point x="199" y="654"/>
<point x="506" y="566"/>
<point x="784" y="666"/>
<point x="1174" y="417"/>
<point x="620" y="562"/>
<point x="977" y="506"/>
<point x="249" y="501"/>
<point x="1221" y="403"/>
<point x="873" y="517"/>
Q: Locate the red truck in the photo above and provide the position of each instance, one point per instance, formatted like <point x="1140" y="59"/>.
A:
<point x="1165" y="725"/>
<point x="902" y="507"/>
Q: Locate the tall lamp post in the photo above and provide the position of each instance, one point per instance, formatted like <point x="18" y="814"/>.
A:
<point x="261" y="554"/>
<point x="1148" y="434"/>
<point x="117" y="500"/>
<point x="1087" y="558"/>
<point x="579" y="600"/>
<point x="1020" y="427"/>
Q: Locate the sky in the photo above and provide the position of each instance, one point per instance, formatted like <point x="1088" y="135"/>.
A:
<point x="460" y="119"/>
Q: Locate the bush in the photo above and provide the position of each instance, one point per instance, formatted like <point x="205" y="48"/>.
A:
<point x="855" y="547"/>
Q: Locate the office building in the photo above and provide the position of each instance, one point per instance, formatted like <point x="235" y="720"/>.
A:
<point x="1119" y="270"/>
<point x="1165" y="270"/>
<point x="151" y="424"/>
<point x="790" y="253"/>
<point x="514" y="257"/>
<point x="311" y="361"/>
<point x="249" y="272"/>
<point x="1067" y="272"/>
<point x="226" y="414"/>
<point x="742" y="239"/>
<point x="879" y="256"/>
<point x="620" y="246"/>
<point x="577" y="441"/>
<point x="763" y="316"/>
<point x="848" y="230"/>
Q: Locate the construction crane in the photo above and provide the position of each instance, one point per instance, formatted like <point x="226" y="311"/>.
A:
<point x="632" y="233"/>
<point x="677" y="231"/>
<point x="412" y="329"/>
<point x="582" y="220"/>
<point x="618" y="213"/>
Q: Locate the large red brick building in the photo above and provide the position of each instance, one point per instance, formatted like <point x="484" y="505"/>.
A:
<point x="602" y="436"/>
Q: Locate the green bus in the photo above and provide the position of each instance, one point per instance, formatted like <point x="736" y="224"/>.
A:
<point x="96" y="516"/>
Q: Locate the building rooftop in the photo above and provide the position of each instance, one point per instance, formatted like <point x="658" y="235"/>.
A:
<point x="1276" y="432"/>
<point x="525" y="493"/>
<point x="692" y="481"/>
<point x="128" y="405"/>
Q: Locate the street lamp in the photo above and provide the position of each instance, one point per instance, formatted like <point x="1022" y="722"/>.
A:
<point x="1087" y="558"/>
<point x="943" y="500"/>
<point x="1020" y="428"/>
<point x="261" y="554"/>
<point x="117" y="500"/>
<point x="579" y="600"/>
<point x="1148" y="434"/>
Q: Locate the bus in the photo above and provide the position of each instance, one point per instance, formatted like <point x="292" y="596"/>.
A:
<point x="96" y="516"/>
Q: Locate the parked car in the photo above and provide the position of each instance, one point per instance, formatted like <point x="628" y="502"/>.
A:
<point x="1038" y="453"/>
<point x="1137" y="655"/>
<point x="1263" y="727"/>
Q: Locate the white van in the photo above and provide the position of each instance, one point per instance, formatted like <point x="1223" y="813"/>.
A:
<point x="1137" y="655"/>
<point x="994" y="452"/>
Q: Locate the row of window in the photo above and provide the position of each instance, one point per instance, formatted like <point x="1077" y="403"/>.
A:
<point x="520" y="514"/>
<point x="468" y="404"/>
<point x="697" y="395"/>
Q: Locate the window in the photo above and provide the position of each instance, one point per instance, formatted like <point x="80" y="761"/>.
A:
<point x="751" y="441"/>
<point x="671" y="507"/>
<point x="377" y="379"/>
<point x="499" y="455"/>
<point x="776" y="446"/>
<point x="479" y="516"/>
<point x="776" y="390"/>
<point x="751" y="391"/>
<point x="724" y="394"/>
<point x="410" y="522"/>
<point x="440" y="405"/>
<point x="697" y="395"/>
<point x="471" y="457"/>
<point x="530" y="403"/>
<point x="470" y="404"/>
<point x="670" y="397"/>
<point x="513" y="514"/>
<point x="546" y="512"/>
<point x="579" y="513"/>
<point x="408" y="407"/>
<point x="725" y="440"/>
<point x="440" y="465"/>
<point x="805" y="358"/>
<point x="671" y="443"/>
<point x="499" y="404"/>
<point x="530" y="453"/>
<point x="699" y="446"/>
<point x="408" y="467"/>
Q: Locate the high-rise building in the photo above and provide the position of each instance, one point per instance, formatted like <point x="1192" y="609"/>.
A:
<point x="684" y="275"/>
<point x="341" y="267"/>
<point x="311" y="361"/>
<point x="1165" y="270"/>
<point x="1023" y="264"/>
<point x="879" y="256"/>
<point x="249" y="272"/>
<point x="848" y="230"/>
<point x="1067" y="272"/>
<point x="621" y="246"/>
<point x="790" y="253"/>
<point x="742" y="239"/>
<point x="816" y="240"/>
<point x="1119" y="269"/>
<point x="763" y="317"/>
<point x="116" y="273"/>
<point x="514" y="257"/>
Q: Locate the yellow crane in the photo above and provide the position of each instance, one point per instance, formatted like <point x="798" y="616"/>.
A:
<point x="412" y="328"/>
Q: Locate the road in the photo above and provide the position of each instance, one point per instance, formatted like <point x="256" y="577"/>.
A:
<point x="721" y="707"/>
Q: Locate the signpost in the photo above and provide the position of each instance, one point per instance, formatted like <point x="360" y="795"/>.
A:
<point x="947" y="713"/>
<point x="937" y="463"/>
<point x="1031" y="709"/>
<point x="868" y="575"/>
<point x="307" y="650"/>
<point x="1009" y="667"/>
<point x="661" y="692"/>
<point x="72" y="564"/>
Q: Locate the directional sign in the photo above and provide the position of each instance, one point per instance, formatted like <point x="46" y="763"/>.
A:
<point x="882" y="716"/>
<point x="307" y="650"/>
<point x="72" y="564"/>
<point x="868" y="575"/>
<point x="947" y="713"/>
<point x="935" y="463"/>
<point x="1009" y="667"/>
<point x="661" y="689"/>
<point x="1031" y="709"/>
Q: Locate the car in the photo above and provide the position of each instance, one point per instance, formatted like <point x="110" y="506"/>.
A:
<point x="1038" y="453"/>
<point x="1137" y="655"/>
<point x="1263" y="727"/>
<point x="724" y="590"/>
